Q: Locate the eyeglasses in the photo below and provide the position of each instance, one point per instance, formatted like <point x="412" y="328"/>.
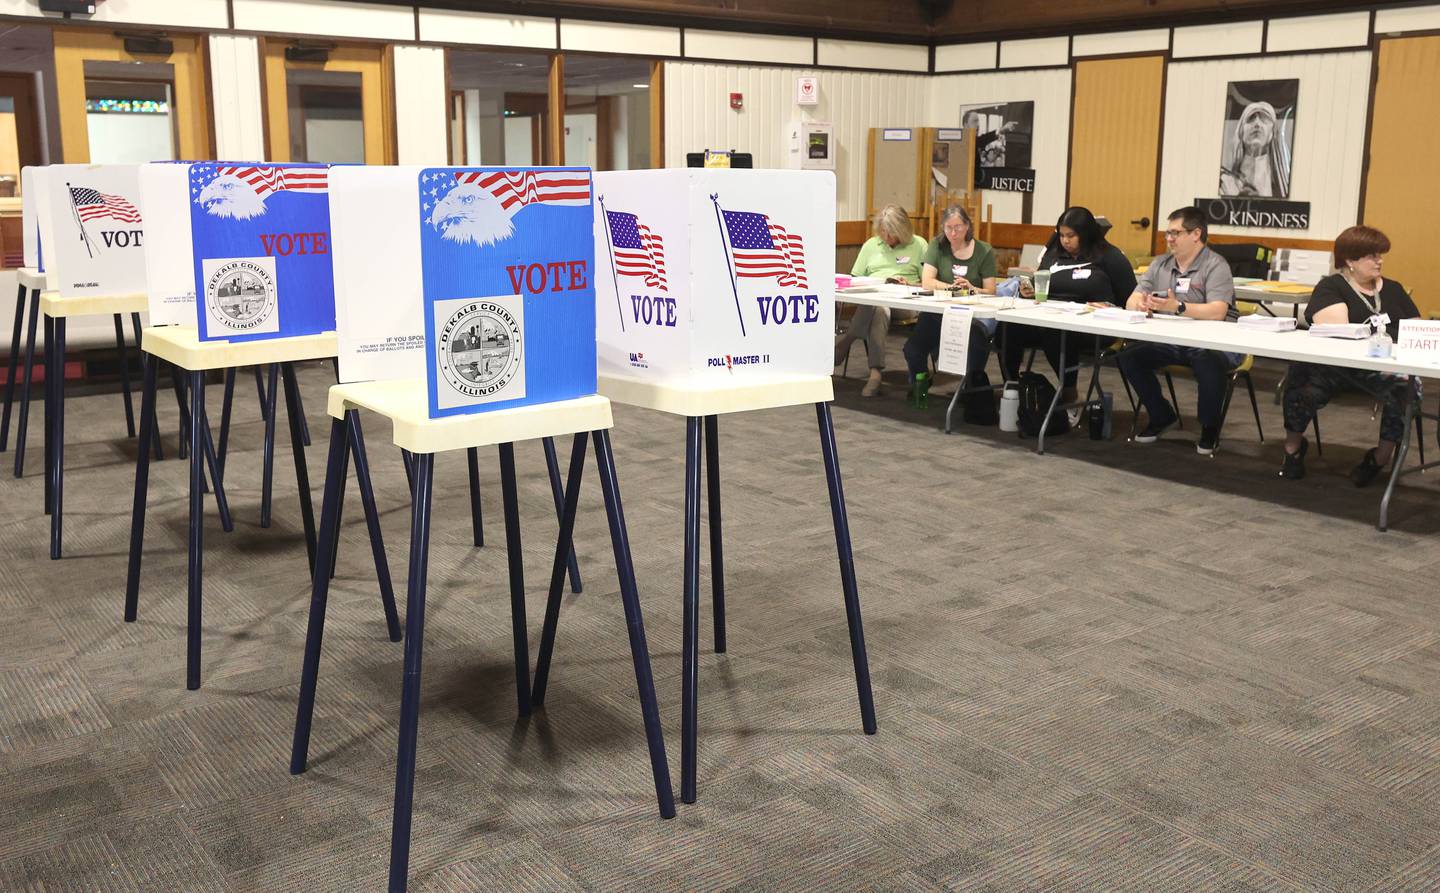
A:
<point x="956" y="228"/>
<point x="1177" y="233"/>
<point x="1372" y="258"/>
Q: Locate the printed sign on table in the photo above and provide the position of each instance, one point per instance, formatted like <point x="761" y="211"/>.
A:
<point x="711" y="274"/>
<point x="98" y="232"/>
<point x="507" y="260"/>
<point x="1419" y="342"/>
<point x="261" y="249"/>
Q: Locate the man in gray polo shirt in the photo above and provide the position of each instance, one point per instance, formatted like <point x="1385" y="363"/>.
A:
<point x="1190" y="281"/>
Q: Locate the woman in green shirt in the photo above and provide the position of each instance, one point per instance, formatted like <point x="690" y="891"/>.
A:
<point x="955" y="257"/>
<point x="893" y="253"/>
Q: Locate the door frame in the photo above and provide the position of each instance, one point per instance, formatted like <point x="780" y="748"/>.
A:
<point x="27" y="118"/>
<point x="374" y="62"/>
<point x="190" y="111"/>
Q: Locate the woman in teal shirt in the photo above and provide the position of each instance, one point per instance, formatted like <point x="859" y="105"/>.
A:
<point x="894" y="252"/>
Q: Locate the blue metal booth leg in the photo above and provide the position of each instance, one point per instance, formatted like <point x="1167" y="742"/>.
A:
<point x="690" y="619"/>
<point x="517" y="577"/>
<point x="717" y="539"/>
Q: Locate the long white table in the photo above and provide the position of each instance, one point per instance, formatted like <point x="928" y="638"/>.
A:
<point x="1296" y="346"/>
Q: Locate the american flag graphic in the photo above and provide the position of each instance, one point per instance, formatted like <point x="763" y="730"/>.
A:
<point x="638" y="251"/>
<point x="516" y="189"/>
<point x="765" y="250"/>
<point x="265" y="180"/>
<point x="91" y="204"/>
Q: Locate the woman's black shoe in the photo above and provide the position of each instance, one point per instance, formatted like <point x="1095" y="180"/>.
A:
<point x="1294" y="467"/>
<point x="1363" y="474"/>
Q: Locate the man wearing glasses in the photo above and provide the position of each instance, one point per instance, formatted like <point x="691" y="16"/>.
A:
<point x="1192" y="281"/>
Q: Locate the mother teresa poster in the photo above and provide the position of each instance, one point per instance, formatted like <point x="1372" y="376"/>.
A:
<point x="507" y="261"/>
<point x="1258" y="147"/>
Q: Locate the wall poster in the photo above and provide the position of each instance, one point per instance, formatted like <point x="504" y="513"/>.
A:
<point x="1002" y="146"/>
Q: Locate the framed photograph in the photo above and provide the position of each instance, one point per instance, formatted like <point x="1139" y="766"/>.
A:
<point x="1257" y="150"/>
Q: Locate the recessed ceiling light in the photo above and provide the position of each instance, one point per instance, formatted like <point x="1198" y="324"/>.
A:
<point x="641" y="86"/>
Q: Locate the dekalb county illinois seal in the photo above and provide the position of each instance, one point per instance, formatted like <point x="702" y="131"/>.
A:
<point x="479" y="348"/>
<point x="240" y="294"/>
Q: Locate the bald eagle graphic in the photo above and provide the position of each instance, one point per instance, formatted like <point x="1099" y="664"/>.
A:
<point x="229" y="196"/>
<point x="471" y="214"/>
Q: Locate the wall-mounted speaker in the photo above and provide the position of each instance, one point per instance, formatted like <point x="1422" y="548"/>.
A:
<point x="149" y="46"/>
<point x="301" y="53"/>
<point x="82" y="7"/>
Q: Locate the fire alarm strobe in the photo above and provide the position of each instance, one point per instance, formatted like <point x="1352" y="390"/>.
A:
<point x="737" y="101"/>
<point x="69" y="7"/>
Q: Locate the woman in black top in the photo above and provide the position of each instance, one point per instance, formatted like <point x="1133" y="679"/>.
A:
<point x="1083" y="267"/>
<point x="1354" y="295"/>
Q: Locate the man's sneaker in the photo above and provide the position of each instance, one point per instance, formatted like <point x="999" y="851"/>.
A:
<point x="1152" y="431"/>
<point x="1209" y="440"/>
<point x="1363" y="474"/>
<point x="1294" y="464"/>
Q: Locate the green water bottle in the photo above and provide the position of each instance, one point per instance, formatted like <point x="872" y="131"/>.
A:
<point x="919" y="393"/>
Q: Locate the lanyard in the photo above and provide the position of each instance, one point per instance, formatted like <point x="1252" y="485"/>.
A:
<point x="1374" y="306"/>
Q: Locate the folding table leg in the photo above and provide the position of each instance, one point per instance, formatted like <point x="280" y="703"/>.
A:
<point x="552" y="465"/>
<point x="197" y="524"/>
<point x="690" y="619"/>
<point x="26" y="391"/>
<point x="14" y="363"/>
<point x="319" y="594"/>
<point x="267" y="469"/>
<point x="410" y="690"/>
<point x="717" y="539"/>
<point x="124" y="352"/>
<point x="517" y="577"/>
<point x="477" y="525"/>
<point x="142" y="484"/>
<point x="563" y="546"/>
<point x="635" y="621"/>
<point x="847" y="566"/>
<point x="302" y="478"/>
<point x="1397" y="463"/>
<point x="1054" y="402"/>
<point x="57" y="515"/>
<point x="372" y="521"/>
<point x="226" y="404"/>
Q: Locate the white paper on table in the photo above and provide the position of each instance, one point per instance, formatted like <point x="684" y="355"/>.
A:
<point x="1419" y="342"/>
<point x="1351" y="331"/>
<point x="169" y="254"/>
<point x="1120" y="314"/>
<point x="954" y="340"/>
<point x="379" y="309"/>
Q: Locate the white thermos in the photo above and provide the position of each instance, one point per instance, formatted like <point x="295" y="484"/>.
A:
<point x="1010" y="408"/>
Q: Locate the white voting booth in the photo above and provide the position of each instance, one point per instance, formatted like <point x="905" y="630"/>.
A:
<point x="169" y="267"/>
<point x="93" y="241"/>
<point x="712" y="276"/>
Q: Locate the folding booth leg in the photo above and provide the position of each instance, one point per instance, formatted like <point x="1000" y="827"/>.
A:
<point x="635" y="621"/>
<point x="139" y="345"/>
<point x="335" y="545"/>
<point x="14" y="362"/>
<point x="690" y="621"/>
<point x="142" y="484"/>
<point x="319" y="594"/>
<point x="267" y="470"/>
<point x="227" y="402"/>
<point x="563" y="547"/>
<point x="302" y="478"/>
<point x="477" y="526"/>
<point x="124" y="352"/>
<point x="213" y="463"/>
<point x="25" y="392"/>
<point x="409" y="462"/>
<point x="47" y="423"/>
<point x="517" y="577"/>
<point x="552" y="465"/>
<point x="372" y="521"/>
<point x="57" y="370"/>
<point x="184" y="450"/>
<point x="197" y="523"/>
<point x="410" y="690"/>
<point x="717" y="546"/>
<point x="847" y="566"/>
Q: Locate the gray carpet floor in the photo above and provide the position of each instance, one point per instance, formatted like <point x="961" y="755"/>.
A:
<point x="1112" y="667"/>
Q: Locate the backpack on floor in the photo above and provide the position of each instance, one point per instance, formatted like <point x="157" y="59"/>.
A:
<point x="1036" y="395"/>
<point x="978" y="407"/>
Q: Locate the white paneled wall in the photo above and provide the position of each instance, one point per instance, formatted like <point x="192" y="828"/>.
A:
<point x="493" y="29"/>
<point x="235" y="98"/>
<point x="1049" y="89"/>
<point x="420" y="105"/>
<point x="698" y="116"/>
<point x="330" y="18"/>
<point x="1329" y="133"/>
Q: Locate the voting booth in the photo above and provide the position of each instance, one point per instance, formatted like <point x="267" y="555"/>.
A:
<point x="713" y="275"/>
<point x="82" y="227"/>
<point x="169" y="263"/>
<point x="481" y="281"/>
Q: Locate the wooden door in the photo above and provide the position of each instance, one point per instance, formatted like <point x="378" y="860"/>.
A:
<point x="372" y="67"/>
<point x="189" y="110"/>
<point x="1115" y="145"/>
<point x="1400" y="186"/>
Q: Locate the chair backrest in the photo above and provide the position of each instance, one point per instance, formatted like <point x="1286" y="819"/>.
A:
<point x="1030" y="255"/>
<point x="1248" y="259"/>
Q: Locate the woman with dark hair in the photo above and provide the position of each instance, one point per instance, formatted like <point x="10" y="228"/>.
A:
<point x="1083" y="267"/>
<point x="1356" y="294"/>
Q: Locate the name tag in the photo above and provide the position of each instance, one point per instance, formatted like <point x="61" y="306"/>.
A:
<point x="1080" y="274"/>
<point x="1182" y="285"/>
<point x="958" y="270"/>
<point x="902" y="260"/>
